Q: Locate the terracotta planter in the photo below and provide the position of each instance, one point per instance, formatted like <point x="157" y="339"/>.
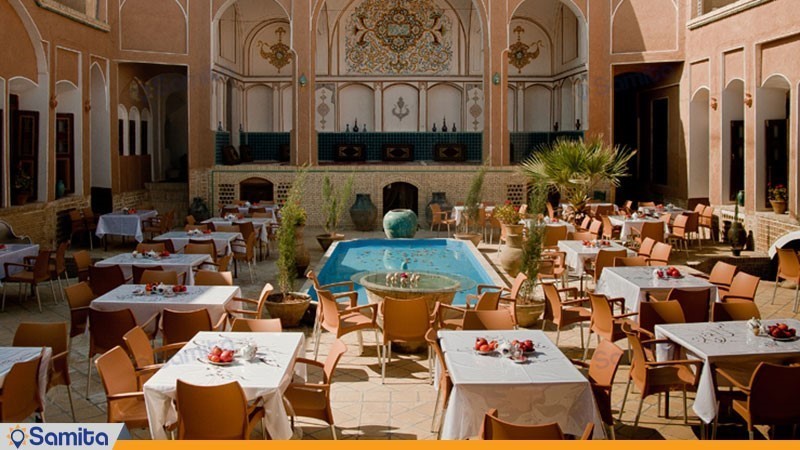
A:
<point x="326" y="240"/>
<point x="511" y="254"/>
<point x="528" y="314"/>
<point x="301" y="256"/>
<point x="506" y="229"/>
<point x="475" y="238"/>
<point x="778" y="206"/>
<point x="21" y="198"/>
<point x="289" y="311"/>
<point x="364" y="213"/>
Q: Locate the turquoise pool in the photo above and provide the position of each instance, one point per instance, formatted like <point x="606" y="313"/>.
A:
<point x="447" y="256"/>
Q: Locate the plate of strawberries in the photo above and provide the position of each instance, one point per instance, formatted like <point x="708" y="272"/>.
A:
<point x="781" y="332"/>
<point x="220" y="357"/>
<point x="485" y="347"/>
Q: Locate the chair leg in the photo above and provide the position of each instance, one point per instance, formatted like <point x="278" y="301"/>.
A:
<point x="796" y="291"/>
<point x="316" y="342"/>
<point x="383" y="363"/>
<point x="558" y="335"/>
<point x="774" y="291"/>
<point x="544" y="322"/>
<point x="250" y="268"/>
<point x="53" y="291"/>
<point x="38" y="297"/>
<point x="613" y="432"/>
<point x="582" y="342"/>
<point x="685" y="407"/>
<point x="88" y="375"/>
<point x="624" y="399"/>
<point x="435" y="409"/>
<point x="378" y="347"/>
<point x="360" y="342"/>
<point x="638" y="415"/>
<point x="588" y="340"/>
<point x="71" y="405"/>
<point x="333" y="432"/>
<point x="716" y="424"/>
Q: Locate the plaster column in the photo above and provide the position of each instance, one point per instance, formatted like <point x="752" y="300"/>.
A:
<point x="600" y="75"/>
<point x="495" y="134"/>
<point x="303" y="42"/>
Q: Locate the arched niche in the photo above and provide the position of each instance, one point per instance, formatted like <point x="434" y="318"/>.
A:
<point x="356" y="102"/>
<point x="69" y="137"/>
<point x="699" y="139"/>
<point x="100" y="128"/>
<point x="256" y="190"/>
<point x="772" y="136"/>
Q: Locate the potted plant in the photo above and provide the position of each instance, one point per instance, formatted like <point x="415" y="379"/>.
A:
<point x="528" y="306"/>
<point x="287" y="305"/>
<point x="575" y="168"/>
<point x="508" y="216"/>
<point x="737" y="235"/>
<point x="333" y="204"/>
<point x="470" y="219"/>
<point x="23" y="185"/>
<point x="777" y="198"/>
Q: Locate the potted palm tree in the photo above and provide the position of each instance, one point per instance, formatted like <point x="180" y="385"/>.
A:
<point x="471" y="217"/>
<point x="333" y="204"/>
<point x="287" y="305"/>
<point x="575" y="168"/>
<point x="529" y="307"/>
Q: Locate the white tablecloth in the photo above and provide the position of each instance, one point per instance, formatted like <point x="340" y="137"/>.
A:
<point x="561" y="223"/>
<point x="675" y="211"/>
<point x="633" y="224"/>
<point x="180" y="238"/>
<point x="266" y="378"/>
<point x="458" y="211"/>
<point x="592" y="206"/>
<point x="12" y="355"/>
<point x="547" y="389"/>
<point x="245" y="210"/>
<point x="729" y="343"/>
<point x="211" y="298"/>
<point x="633" y="284"/>
<point x="174" y="262"/>
<point x="122" y="224"/>
<point x="577" y="254"/>
<point x="259" y="224"/>
<point x="16" y="253"/>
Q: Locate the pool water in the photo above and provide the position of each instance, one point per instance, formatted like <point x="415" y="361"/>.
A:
<point x="445" y="256"/>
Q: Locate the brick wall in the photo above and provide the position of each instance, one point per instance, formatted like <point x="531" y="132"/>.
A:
<point x="131" y="199"/>
<point x="38" y="220"/>
<point x="769" y="227"/>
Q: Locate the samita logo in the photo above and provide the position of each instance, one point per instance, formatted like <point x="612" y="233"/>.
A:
<point x="99" y="436"/>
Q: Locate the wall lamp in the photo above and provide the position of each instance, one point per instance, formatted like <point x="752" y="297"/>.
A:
<point x="714" y="103"/>
<point x="748" y="100"/>
<point x="302" y="80"/>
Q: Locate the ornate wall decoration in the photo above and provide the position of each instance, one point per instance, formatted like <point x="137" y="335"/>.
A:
<point x="521" y="54"/>
<point x="277" y="54"/>
<point x="398" y="37"/>
<point x="400" y="109"/>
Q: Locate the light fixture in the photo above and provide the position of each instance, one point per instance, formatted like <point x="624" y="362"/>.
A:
<point x="496" y="78"/>
<point x="302" y="80"/>
<point x="714" y="103"/>
<point x="748" y="100"/>
<point x="53" y="102"/>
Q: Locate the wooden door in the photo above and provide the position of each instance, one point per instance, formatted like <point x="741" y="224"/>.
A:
<point x="736" y="176"/>
<point x="777" y="153"/>
<point x="25" y="147"/>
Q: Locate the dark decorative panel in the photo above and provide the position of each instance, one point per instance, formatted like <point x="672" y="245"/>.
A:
<point x="284" y="153"/>
<point x="350" y="153"/>
<point x="398" y="153"/>
<point x="450" y="153"/>
<point x="246" y="153"/>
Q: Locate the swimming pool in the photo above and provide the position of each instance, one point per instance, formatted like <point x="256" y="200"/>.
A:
<point x="448" y="256"/>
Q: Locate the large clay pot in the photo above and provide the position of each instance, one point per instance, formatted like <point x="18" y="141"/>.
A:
<point x="506" y="229"/>
<point x="511" y="254"/>
<point x="778" y="206"/>
<point x="290" y="310"/>
<point x="737" y="236"/>
<point x="439" y="198"/>
<point x="400" y="223"/>
<point x="363" y="212"/>
<point x="326" y="240"/>
<point x="301" y="257"/>
<point x="475" y="238"/>
<point x="529" y="313"/>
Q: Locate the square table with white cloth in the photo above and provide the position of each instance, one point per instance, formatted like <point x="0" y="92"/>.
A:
<point x="458" y="211"/>
<point x="578" y="254"/>
<point x="627" y="225"/>
<point x="123" y="224"/>
<point x="550" y="223"/>
<point x="634" y="283"/>
<point x="245" y="210"/>
<point x="546" y="389"/>
<point x="726" y="344"/>
<point x="222" y="241"/>
<point x="591" y="207"/>
<point x="260" y="224"/>
<point x="174" y="262"/>
<point x="211" y="298"/>
<point x="16" y="253"/>
<point x="13" y="355"/>
<point x="265" y="377"/>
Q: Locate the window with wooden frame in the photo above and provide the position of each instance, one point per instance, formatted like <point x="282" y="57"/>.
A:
<point x="65" y="151"/>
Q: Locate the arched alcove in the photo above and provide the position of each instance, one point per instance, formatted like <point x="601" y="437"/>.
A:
<point x="733" y="140"/>
<point x="400" y="195"/>
<point x="99" y="122"/>
<point x="772" y="136"/>
<point x="256" y="190"/>
<point x="69" y="138"/>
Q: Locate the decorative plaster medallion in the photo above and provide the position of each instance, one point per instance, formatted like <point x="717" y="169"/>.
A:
<point x="475" y="110"/>
<point x="520" y="54"/>
<point x="278" y="54"/>
<point x="323" y="109"/>
<point x="400" y="109"/>
<point x="398" y="37"/>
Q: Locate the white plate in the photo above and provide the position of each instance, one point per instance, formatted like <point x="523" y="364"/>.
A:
<point x="223" y="364"/>
<point x="489" y="353"/>
<point x="519" y="361"/>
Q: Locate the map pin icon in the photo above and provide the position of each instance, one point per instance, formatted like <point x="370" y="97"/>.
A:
<point x="17" y="437"/>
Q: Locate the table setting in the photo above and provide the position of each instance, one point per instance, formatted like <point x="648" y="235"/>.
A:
<point x="179" y="263"/>
<point x="222" y="240"/>
<point x="127" y="222"/>
<point x="579" y="253"/>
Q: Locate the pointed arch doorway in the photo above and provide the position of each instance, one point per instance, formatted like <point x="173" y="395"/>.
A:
<point x="400" y="195"/>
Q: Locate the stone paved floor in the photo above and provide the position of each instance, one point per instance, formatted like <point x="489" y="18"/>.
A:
<point x="363" y="407"/>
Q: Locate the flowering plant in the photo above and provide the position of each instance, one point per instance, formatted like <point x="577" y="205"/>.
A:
<point x="507" y="213"/>
<point x="778" y="192"/>
<point x="22" y="180"/>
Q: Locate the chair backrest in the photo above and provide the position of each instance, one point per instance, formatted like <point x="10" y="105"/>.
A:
<point x="707" y="216"/>
<point x="586" y="222"/>
<point x="211" y="412"/>
<point x="138" y="345"/>
<point x="605" y="258"/>
<point x="595" y="228"/>
<point x="788" y="263"/>
<point x="653" y="230"/>
<point x="83" y="260"/>
<point x="553" y="299"/>
<point x="660" y="254"/>
<point x="106" y="328"/>
<point x="436" y="216"/>
<point x="743" y="286"/>
<point x="500" y="319"/>
<point x="257" y="325"/>
<point x="647" y="204"/>
<point x="698" y="208"/>
<point x="160" y="276"/>
<point x="638" y="371"/>
<point x="145" y="247"/>
<point x="200" y="227"/>
<point x="195" y="247"/>
<point x="61" y="252"/>
<point x="329" y="311"/>
<point x="21" y="391"/>
<point x="488" y="301"/>
<point x="581" y="236"/>
<point x="646" y="247"/>
<point x="722" y="274"/>
<point x="433" y="341"/>
<point x="774" y="395"/>
<point x="51" y="334"/>
<point x="692" y="221"/>
<point x="334" y="355"/>
<point x="105" y="279"/>
<point x="41" y="268"/>
<point x="602" y="315"/>
<point x="138" y="271"/>
<point x="608" y="227"/>
<point x="604" y="210"/>
<point x="190" y="220"/>
<point x="405" y="320"/>
<point x="79" y="297"/>
<point x="78" y="224"/>
<point x="117" y="372"/>
<point x="495" y="429"/>
<point x="516" y="285"/>
<point x="181" y="326"/>
<point x="630" y="261"/>
<point x="223" y="262"/>
<point x="665" y="217"/>
<point x="605" y="362"/>
<point x="553" y="234"/>
<point x="679" y="225"/>
<point x="740" y="310"/>
<point x="658" y="313"/>
<point x="246" y="228"/>
<point x="221" y="228"/>
<point x="696" y="304"/>
<point x="213" y="278"/>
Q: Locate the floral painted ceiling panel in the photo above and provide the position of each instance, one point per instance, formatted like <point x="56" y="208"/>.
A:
<point x="393" y="37"/>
